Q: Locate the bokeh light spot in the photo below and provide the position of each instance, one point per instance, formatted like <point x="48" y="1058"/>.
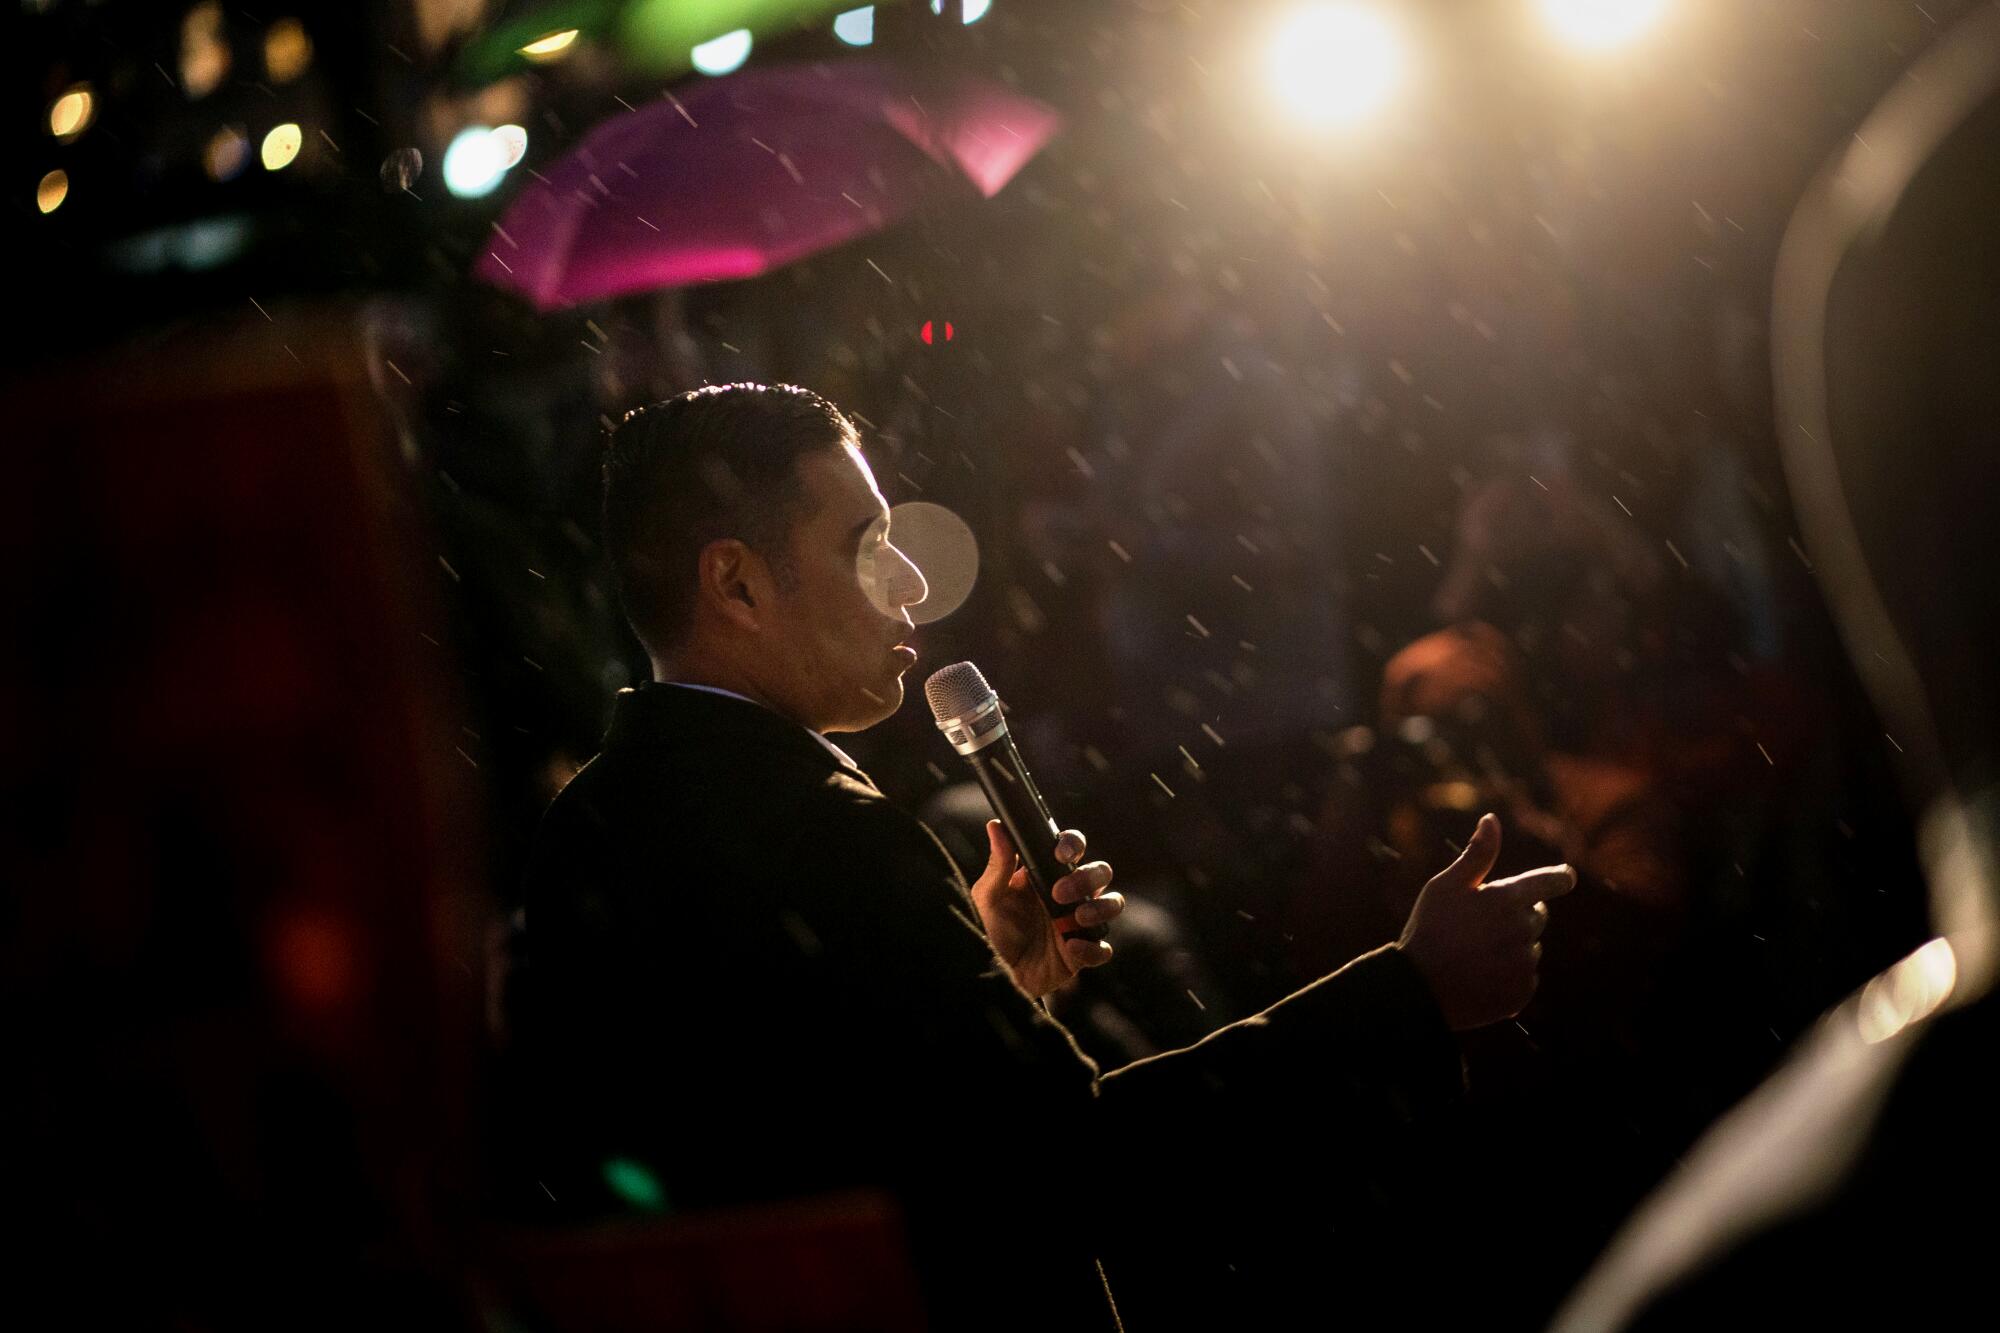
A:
<point x="474" y="163"/>
<point x="49" y="195"/>
<point x="227" y="153"/>
<point x="281" y="146"/>
<point x="287" y="50"/>
<point x="512" y="142"/>
<point x="1600" y="25"/>
<point x="943" y="549"/>
<point x="635" y="1184"/>
<point x="724" y="54"/>
<point x="1335" y="64"/>
<point x="70" y="115"/>
<point x="205" y="57"/>
<point x="314" y="953"/>
<point x="856" y="27"/>
<point x="552" y="47"/>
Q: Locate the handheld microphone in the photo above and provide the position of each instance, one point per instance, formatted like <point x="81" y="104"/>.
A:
<point x="968" y="713"/>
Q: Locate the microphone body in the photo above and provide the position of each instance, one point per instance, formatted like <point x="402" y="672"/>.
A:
<point x="968" y="712"/>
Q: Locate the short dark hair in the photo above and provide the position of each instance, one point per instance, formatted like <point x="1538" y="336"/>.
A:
<point x="716" y="462"/>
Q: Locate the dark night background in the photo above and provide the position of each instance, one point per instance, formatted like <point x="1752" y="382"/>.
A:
<point x="1328" y="492"/>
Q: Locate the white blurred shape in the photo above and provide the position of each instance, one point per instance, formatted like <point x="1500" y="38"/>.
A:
<point x="943" y="549"/>
<point x="1601" y="25"/>
<point x="722" y="54"/>
<point x="1334" y="64"/>
<point x="513" y="143"/>
<point x="856" y="27"/>
<point x="281" y="145"/>
<point x="1911" y="990"/>
<point x="474" y="163"/>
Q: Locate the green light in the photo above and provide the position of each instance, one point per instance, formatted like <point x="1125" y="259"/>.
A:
<point x="635" y="1184"/>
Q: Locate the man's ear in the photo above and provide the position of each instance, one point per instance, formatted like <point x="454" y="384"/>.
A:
<point x="735" y="582"/>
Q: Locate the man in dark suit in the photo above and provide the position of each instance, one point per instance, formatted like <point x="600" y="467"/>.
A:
<point x="747" y="971"/>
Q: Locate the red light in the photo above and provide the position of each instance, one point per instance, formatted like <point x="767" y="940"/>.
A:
<point x="927" y="333"/>
<point x="947" y="330"/>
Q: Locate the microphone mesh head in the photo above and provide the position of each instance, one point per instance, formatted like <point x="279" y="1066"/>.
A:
<point x="956" y="690"/>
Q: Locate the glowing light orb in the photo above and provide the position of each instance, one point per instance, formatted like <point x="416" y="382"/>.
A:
<point x="205" y="57"/>
<point x="975" y="10"/>
<point x="1601" y="25"/>
<point x="724" y="54"/>
<point x="1335" y="64"/>
<point x="281" y="146"/>
<point x="287" y="50"/>
<point x="856" y="27"/>
<point x="943" y="549"/>
<point x="552" y="47"/>
<point x="71" y="114"/>
<point x="49" y="195"/>
<point x="513" y="143"/>
<point x="474" y="163"/>
<point x="227" y="153"/>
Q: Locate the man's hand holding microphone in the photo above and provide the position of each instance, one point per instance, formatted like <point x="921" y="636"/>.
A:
<point x="1477" y="945"/>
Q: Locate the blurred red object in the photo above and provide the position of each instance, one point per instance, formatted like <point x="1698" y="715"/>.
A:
<point x="241" y="858"/>
<point x="824" y="1264"/>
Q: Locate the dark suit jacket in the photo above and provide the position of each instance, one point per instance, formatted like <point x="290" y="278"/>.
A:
<point x="745" y="968"/>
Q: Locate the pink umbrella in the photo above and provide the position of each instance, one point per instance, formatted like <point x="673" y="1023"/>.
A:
<point x="745" y="174"/>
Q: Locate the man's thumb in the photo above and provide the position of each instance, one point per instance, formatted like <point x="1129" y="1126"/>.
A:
<point x="1482" y="849"/>
<point x="1000" y="850"/>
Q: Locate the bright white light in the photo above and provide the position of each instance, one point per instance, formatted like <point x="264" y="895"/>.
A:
<point x="1333" y="64"/>
<point x="513" y="142"/>
<point x="856" y="27"/>
<point x="1600" y="25"/>
<point x="281" y="145"/>
<point x="975" y="10"/>
<point x="474" y="163"/>
<point x="723" y="54"/>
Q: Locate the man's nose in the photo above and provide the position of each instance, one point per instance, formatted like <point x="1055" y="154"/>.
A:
<point x="905" y="585"/>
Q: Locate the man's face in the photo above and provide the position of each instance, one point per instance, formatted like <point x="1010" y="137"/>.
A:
<point x="841" y="620"/>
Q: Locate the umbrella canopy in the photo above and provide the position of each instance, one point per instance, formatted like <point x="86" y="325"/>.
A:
<point x="749" y="173"/>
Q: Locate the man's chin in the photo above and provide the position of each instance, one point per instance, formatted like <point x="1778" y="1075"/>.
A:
<point x="873" y="705"/>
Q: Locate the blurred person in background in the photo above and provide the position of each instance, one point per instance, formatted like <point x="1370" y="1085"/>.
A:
<point x="1853" y="1187"/>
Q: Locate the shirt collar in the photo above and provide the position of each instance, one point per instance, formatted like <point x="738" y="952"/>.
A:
<point x="832" y="749"/>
